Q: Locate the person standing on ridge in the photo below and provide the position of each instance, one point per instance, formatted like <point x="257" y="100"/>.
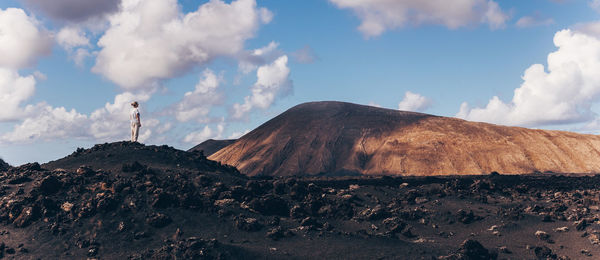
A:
<point x="134" y="117"/>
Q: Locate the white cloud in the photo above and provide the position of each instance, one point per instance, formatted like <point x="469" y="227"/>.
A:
<point x="272" y="81"/>
<point x="562" y="94"/>
<point x="112" y="121"/>
<point x="379" y="16"/>
<point x="205" y="134"/>
<point x="47" y="123"/>
<point x="109" y="123"/>
<point x="251" y="60"/>
<point x="414" y="102"/>
<point x="532" y="21"/>
<point x="494" y="16"/>
<point x="152" y="40"/>
<point x="197" y="104"/>
<point x="14" y="90"/>
<point x="70" y="37"/>
<point x="75" y="41"/>
<point x="21" y="41"/>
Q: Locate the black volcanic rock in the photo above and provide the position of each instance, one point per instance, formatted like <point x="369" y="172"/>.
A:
<point x="4" y="166"/>
<point x="132" y="157"/>
<point x="211" y="146"/>
<point x="155" y="209"/>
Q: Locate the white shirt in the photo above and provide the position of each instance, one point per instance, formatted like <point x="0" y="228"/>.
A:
<point x="133" y="115"/>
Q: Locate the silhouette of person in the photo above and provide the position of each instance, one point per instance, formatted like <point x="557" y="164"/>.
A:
<point x="134" y="118"/>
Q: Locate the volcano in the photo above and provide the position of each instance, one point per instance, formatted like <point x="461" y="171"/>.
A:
<point x="338" y="138"/>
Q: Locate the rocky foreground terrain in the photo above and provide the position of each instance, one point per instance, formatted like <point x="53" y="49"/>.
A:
<point x="337" y="138"/>
<point x="145" y="208"/>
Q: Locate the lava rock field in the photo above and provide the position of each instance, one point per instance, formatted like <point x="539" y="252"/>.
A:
<point x="90" y="205"/>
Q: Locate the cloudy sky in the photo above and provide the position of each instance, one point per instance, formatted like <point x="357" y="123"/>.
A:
<point x="217" y="69"/>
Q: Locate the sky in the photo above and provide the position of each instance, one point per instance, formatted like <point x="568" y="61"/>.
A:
<point x="218" y="69"/>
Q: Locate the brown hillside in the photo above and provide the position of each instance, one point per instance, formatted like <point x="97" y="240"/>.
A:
<point x="344" y="138"/>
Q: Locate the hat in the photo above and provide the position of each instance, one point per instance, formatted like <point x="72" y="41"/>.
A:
<point x="134" y="103"/>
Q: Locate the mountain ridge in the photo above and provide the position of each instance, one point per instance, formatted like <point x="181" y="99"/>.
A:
<point x="211" y="146"/>
<point x="338" y="137"/>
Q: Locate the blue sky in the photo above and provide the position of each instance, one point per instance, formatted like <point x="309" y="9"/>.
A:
<point x="444" y="61"/>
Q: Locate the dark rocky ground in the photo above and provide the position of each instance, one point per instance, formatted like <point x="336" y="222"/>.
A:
<point x="155" y="202"/>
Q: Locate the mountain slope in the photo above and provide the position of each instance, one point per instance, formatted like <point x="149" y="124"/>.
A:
<point x="211" y="146"/>
<point x="344" y="138"/>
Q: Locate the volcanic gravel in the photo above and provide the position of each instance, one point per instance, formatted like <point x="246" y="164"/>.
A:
<point x="156" y="202"/>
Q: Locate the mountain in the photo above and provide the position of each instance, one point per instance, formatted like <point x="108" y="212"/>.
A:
<point x="343" y="138"/>
<point x="211" y="146"/>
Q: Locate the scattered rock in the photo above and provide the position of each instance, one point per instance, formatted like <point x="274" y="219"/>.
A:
<point x="544" y="252"/>
<point x="50" y="185"/>
<point x="504" y="250"/>
<point x="466" y="217"/>
<point x="594" y="239"/>
<point x="542" y="235"/>
<point x="472" y="249"/>
<point x="158" y="220"/>
<point x="28" y="215"/>
<point x="247" y="224"/>
<point x="275" y="233"/>
<point x="85" y="171"/>
<point x="561" y="229"/>
<point x="581" y="224"/>
<point x="586" y="252"/>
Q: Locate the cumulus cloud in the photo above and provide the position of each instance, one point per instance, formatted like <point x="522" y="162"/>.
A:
<point x="414" y="102"/>
<point x="75" y="41"/>
<point x="305" y="55"/>
<point x="532" y="21"/>
<point x="71" y="37"/>
<point x="47" y="123"/>
<point x="42" y="122"/>
<point x="205" y="134"/>
<point x="250" y="60"/>
<point x="272" y="81"/>
<point x="562" y="94"/>
<point x="14" y="90"/>
<point x="152" y="40"/>
<point x="108" y="122"/>
<point x="382" y="15"/>
<point x="21" y="41"/>
<point x="73" y="10"/>
<point x="197" y="104"/>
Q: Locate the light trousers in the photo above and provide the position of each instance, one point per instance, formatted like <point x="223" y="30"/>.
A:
<point x="135" y="129"/>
